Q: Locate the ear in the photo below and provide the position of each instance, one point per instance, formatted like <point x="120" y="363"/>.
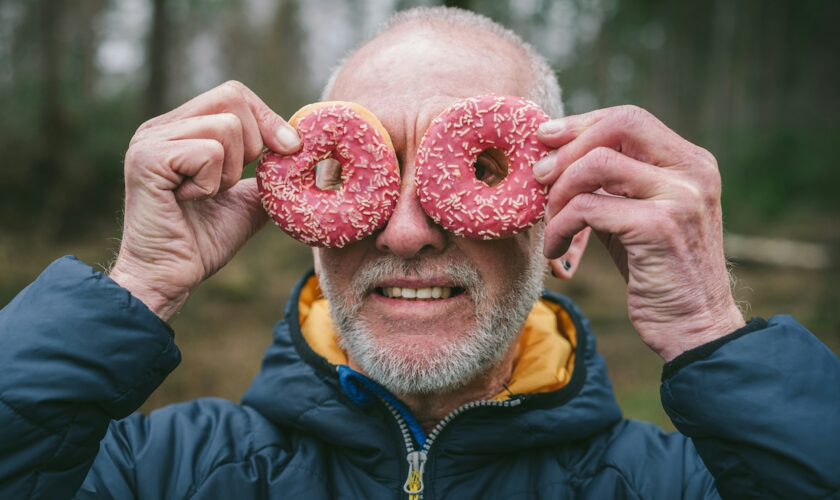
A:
<point x="316" y="258"/>
<point x="565" y="266"/>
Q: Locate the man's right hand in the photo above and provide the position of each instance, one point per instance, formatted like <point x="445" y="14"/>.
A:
<point x="187" y="210"/>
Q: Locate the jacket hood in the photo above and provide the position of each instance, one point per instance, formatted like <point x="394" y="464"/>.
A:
<point x="299" y="389"/>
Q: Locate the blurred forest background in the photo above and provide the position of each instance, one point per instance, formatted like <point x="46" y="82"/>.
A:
<point x="754" y="81"/>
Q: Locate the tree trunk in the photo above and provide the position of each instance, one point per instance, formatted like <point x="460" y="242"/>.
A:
<point x="160" y="35"/>
<point x="53" y="131"/>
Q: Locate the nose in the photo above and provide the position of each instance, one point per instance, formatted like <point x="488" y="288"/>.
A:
<point x="410" y="233"/>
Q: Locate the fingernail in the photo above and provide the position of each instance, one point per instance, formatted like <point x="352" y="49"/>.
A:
<point x="544" y="167"/>
<point x="288" y="138"/>
<point x="552" y="127"/>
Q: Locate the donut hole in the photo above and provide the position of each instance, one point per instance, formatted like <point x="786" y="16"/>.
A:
<point x="491" y="166"/>
<point x="328" y="174"/>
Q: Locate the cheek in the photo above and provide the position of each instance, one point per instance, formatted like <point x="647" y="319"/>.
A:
<point x="338" y="264"/>
<point x="499" y="261"/>
<point x="333" y="269"/>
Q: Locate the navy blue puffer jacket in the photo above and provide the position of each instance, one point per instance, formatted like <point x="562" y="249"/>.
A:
<point x="758" y="414"/>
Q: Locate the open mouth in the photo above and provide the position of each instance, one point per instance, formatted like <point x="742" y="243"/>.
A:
<point x="426" y="293"/>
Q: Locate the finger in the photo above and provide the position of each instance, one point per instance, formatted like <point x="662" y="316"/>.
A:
<point x="198" y="162"/>
<point x="566" y="266"/>
<point x="633" y="132"/>
<point x="261" y="126"/>
<point x="277" y="134"/>
<point x="609" y="170"/>
<point x="606" y="214"/>
<point x="557" y="132"/>
<point x="224" y="128"/>
<point x="628" y="129"/>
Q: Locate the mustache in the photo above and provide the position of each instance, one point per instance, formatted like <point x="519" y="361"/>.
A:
<point x="389" y="267"/>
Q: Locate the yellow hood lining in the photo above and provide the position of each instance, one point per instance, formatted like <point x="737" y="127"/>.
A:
<point x="545" y="351"/>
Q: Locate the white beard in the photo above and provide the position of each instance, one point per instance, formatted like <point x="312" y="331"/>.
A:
<point x="454" y="364"/>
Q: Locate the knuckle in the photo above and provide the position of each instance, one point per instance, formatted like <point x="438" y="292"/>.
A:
<point x="706" y="158"/>
<point x="229" y="92"/>
<point x="583" y="202"/>
<point x="212" y="156"/>
<point x="135" y="156"/>
<point x="215" y="153"/>
<point x="151" y="122"/>
<point x="233" y="86"/>
<point x="708" y="175"/>
<point x="230" y="122"/>
<point x="631" y="113"/>
<point x="138" y="136"/>
<point x="600" y="157"/>
<point x="711" y="185"/>
<point x="146" y="125"/>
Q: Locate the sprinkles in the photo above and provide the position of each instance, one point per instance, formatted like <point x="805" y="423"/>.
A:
<point x="370" y="180"/>
<point x="446" y="184"/>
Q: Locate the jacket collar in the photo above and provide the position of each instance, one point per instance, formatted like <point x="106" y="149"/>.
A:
<point x="544" y="353"/>
<point x="300" y="389"/>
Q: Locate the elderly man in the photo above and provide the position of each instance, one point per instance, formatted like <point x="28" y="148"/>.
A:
<point x="493" y="392"/>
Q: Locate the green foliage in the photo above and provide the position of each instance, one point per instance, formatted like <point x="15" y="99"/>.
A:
<point x="781" y="175"/>
<point x="754" y="82"/>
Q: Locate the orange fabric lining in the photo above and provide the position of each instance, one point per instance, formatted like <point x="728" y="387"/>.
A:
<point x="545" y="354"/>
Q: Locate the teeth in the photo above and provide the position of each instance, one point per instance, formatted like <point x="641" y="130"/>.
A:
<point x="435" y="292"/>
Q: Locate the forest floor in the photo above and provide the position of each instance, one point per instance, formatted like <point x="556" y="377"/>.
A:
<point x="226" y="326"/>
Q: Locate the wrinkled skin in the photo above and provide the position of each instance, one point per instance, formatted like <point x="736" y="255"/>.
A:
<point x="187" y="210"/>
<point x="653" y="199"/>
<point x="650" y="196"/>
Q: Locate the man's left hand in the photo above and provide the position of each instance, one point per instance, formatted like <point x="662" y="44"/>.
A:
<point x="653" y="199"/>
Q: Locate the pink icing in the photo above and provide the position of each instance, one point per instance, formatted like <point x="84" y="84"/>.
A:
<point x="446" y="184"/>
<point x="370" y="180"/>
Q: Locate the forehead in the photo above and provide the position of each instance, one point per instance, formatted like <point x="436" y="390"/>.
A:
<point x="422" y="70"/>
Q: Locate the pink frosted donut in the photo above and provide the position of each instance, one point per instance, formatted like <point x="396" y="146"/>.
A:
<point x="447" y="185"/>
<point x="370" y="180"/>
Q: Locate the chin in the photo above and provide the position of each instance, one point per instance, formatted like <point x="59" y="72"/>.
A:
<point x="419" y="360"/>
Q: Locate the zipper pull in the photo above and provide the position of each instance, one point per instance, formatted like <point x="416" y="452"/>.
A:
<point x="414" y="484"/>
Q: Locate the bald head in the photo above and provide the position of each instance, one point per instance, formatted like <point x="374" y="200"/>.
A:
<point x="417" y="44"/>
<point x="415" y="61"/>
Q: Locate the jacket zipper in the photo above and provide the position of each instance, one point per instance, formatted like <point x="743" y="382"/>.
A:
<point x="417" y="458"/>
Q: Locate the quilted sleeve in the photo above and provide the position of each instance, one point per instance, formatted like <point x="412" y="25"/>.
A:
<point x="762" y="407"/>
<point x="76" y="352"/>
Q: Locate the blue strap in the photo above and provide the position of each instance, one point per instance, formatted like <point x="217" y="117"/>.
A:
<point x="360" y="390"/>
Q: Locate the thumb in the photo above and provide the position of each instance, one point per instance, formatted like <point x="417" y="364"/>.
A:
<point x="240" y="210"/>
